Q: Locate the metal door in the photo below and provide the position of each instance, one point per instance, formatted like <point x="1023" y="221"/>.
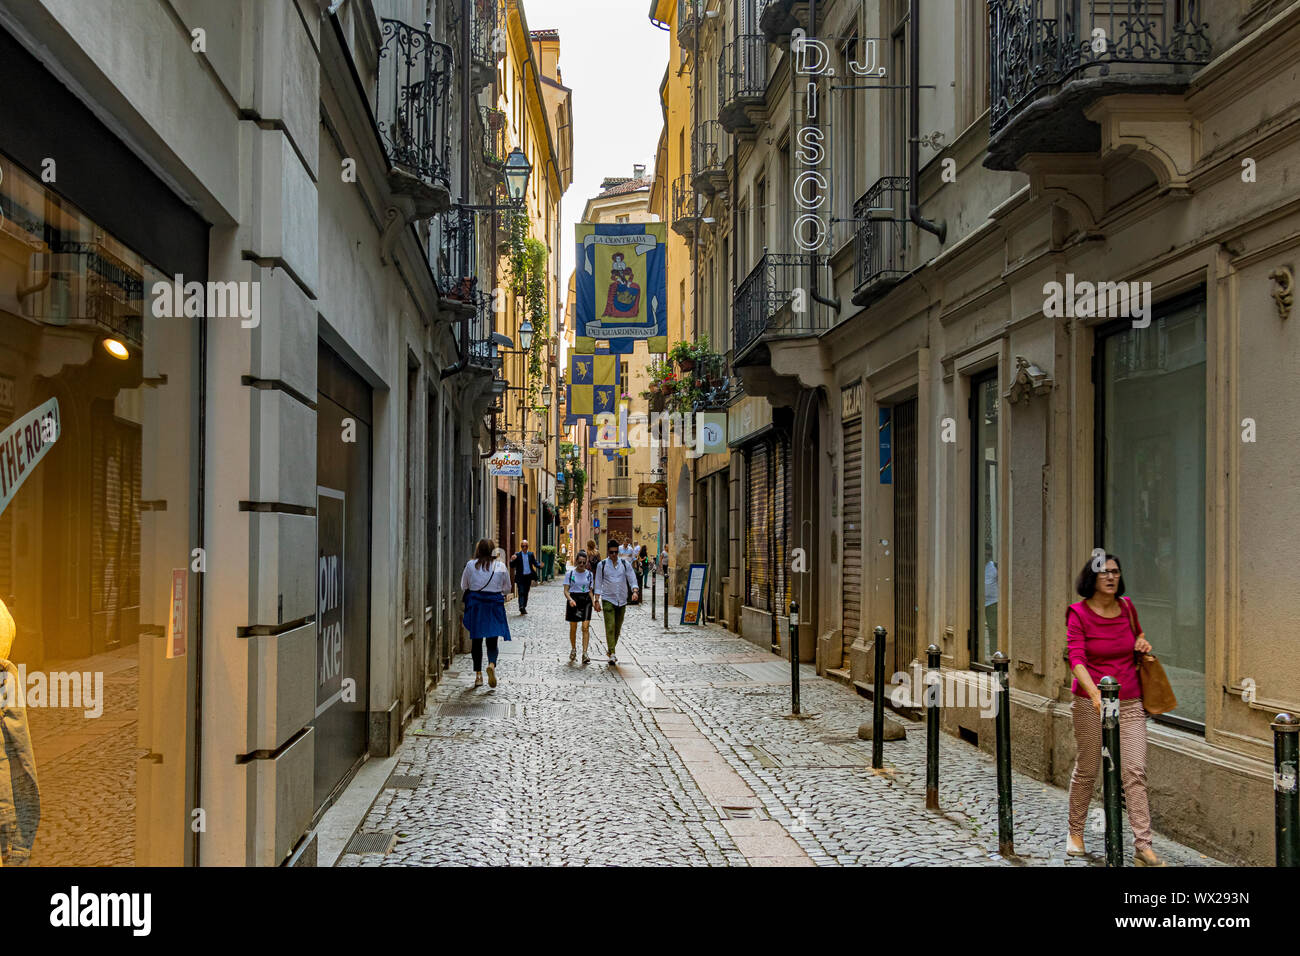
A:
<point x="905" y="534"/>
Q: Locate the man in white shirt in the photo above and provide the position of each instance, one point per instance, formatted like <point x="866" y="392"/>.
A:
<point x="615" y="580"/>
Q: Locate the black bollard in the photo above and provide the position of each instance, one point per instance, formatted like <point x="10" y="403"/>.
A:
<point x="878" y="703"/>
<point x="1002" y="724"/>
<point x="933" y="699"/>
<point x="1286" y="802"/>
<point x="794" y="657"/>
<point x="654" y="586"/>
<point x="1110" y="785"/>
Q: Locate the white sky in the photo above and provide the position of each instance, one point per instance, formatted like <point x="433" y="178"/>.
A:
<point x="613" y="59"/>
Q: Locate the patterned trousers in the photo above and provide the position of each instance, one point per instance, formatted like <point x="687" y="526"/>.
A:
<point x="1132" y="766"/>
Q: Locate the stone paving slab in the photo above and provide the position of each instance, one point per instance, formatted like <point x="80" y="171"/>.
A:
<point x="638" y="765"/>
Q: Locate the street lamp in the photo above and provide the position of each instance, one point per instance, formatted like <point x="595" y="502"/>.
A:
<point x="525" y="335"/>
<point x="516" y="174"/>
<point x="546" y="396"/>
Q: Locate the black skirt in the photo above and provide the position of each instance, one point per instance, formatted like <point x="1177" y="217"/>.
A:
<point x="583" y="610"/>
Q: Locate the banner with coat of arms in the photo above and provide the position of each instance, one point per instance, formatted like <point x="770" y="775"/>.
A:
<point x="622" y="286"/>
<point x="593" y="387"/>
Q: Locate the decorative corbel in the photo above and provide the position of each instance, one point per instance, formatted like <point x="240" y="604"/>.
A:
<point x="1029" y="380"/>
<point x="1283" y="290"/>
<point x="394" y="222"/>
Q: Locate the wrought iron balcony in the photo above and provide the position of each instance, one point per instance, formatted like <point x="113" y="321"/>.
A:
<point x="486" y="47"/>
<point x="709" y="158"/>
<point x="1048" y="59"/>
<point x="686" y="214"/>
<point x="689" y="15"/>
<point x="773" y="301"/>
<point x="878" y="243"/>
<point x="494" y="137"/>
<point x="413" y="101"/>
<point x="457" y="259"/>
<point x="742" y="84"/>
<point x="715" y="381"/>
<point x="479" y="327"/>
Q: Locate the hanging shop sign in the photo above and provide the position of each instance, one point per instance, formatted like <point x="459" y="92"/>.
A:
<point x="506" y="464"/>
<point x="622" y="286"/>
<point x="23" y="444"/>
<point x="652" y="494"/>
<point x="534" y="455"/>
<point x="693" y="606"/>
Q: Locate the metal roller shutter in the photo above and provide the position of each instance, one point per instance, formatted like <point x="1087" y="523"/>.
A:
<point x="757" y="511"/>
<point x="781" y="499"/>
<point x="851" y="581"/>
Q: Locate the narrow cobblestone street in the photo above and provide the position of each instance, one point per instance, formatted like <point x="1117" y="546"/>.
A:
<point x="683" y="755"/>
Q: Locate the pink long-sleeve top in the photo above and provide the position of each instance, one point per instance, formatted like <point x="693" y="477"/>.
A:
<point x="1104" y="645"/>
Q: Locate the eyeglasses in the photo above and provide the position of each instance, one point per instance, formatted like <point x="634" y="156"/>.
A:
<point x="1108" y="573"/>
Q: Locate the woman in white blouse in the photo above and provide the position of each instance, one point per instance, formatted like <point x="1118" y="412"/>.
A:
<point x="484" y="584"/>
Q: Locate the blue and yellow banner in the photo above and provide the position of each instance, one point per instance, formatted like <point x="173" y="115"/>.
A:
<point x="593" y="386"/>
<point x="622" y="292"/>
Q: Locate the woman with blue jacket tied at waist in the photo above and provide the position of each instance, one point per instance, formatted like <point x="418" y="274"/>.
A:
<point x="484" y="584"/>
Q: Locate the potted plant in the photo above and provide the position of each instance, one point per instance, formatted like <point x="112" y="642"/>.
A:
<point x="548" y="561"/>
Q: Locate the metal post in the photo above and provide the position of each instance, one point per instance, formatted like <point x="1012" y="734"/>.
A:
<point x="1109" y="688"/>
<point x="878" y="703"/>
<point x="1286" y="740"/>
<point x="654" y="585"/>
<point x="794" y="657"/>
<point x="1006" y="830"/>
<point x="932" y="703"/>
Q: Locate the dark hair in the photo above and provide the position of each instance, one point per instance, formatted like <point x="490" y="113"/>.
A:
<point x="644" y="551"/>
<point x="483" y="554"/>
<point x="1086" y="583"/>
<point x="612" y="543"/>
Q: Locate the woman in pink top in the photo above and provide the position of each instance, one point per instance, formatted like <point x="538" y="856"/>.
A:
<point x="1104" y="639"/>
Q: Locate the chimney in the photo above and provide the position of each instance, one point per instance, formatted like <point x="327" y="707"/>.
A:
<point x="638" y="171"/>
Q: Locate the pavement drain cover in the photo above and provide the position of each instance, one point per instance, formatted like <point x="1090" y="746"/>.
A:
<point x="743" y="813"/>
<point x="379" y="841"/>
<point x="403" y="782"/>
<point x="489" y="711"/>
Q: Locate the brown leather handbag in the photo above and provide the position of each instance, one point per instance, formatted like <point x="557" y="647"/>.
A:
<point x="1157" y="693"/>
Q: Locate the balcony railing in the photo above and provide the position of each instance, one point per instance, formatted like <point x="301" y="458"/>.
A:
<point x="686" y="214"/>
<point x="742" y="83"/>
<point x="481" y="326"/>
<point x="776" y="18"/>
<point x="709" y="158"/>
<point x="878" y="243"/>
<point x="414" y="94"/>
<point x="689" y="15"/>
<point x="620" y="487"/>
<point x="494" y="137"/>
<point x="773" y="300"/>
<point x="485" y="47"/>
<point x="457" y="258"/>
<point x="1038" y="46"/>
<point x="714" y="378"/>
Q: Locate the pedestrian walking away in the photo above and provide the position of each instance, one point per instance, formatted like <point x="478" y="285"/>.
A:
<point x="614" y="580"/>
<point x="524" y="564"/>
<point x="484" y="584"/>
<point x="577" y="595"/>
<point x="1104" y="640"/>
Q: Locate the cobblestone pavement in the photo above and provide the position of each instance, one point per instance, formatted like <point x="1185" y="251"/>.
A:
<point x="684" y="755"/>
<point x="85" y="767"/>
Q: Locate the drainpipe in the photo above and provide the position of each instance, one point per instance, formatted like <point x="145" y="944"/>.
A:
<point x="465" y="103"/>
<point x="939" y="228"/>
